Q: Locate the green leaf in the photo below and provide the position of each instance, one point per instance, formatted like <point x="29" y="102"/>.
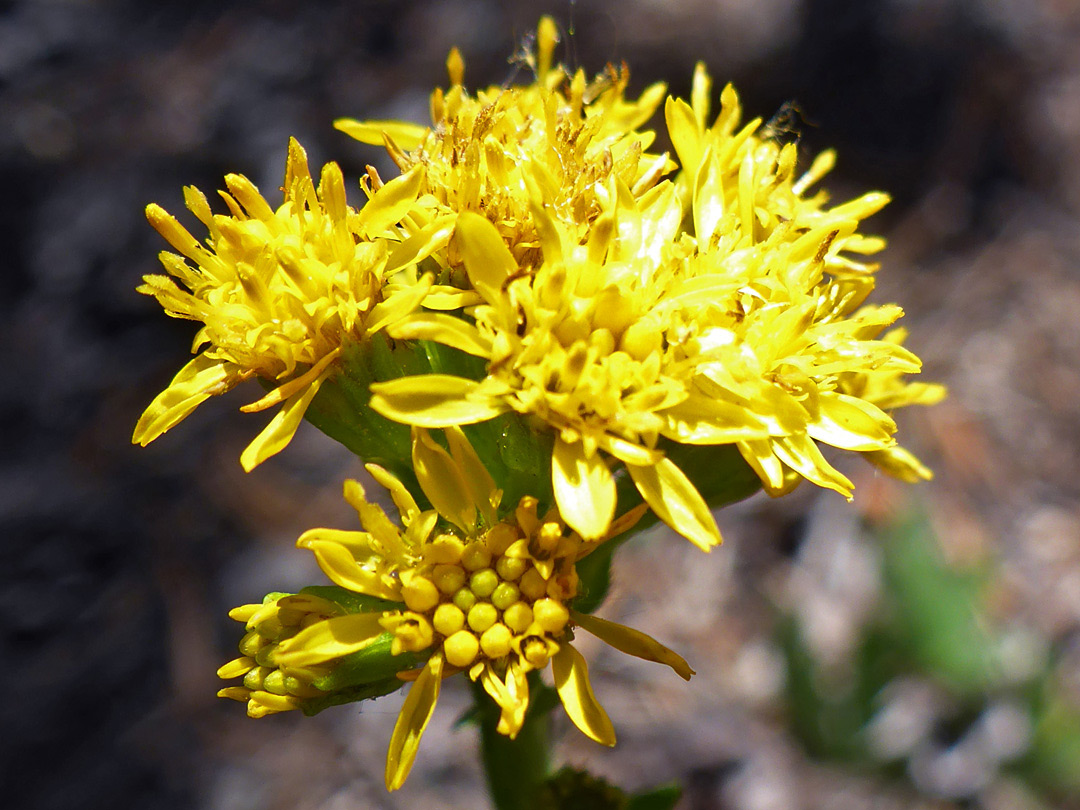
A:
<point x="373" y="664"/>
<point x="573" y="789"/>
<point x="351" y="601"/>
<point x="661" y="798"/>
<point x="937" y="609"/>
<point x="312" y="706"/>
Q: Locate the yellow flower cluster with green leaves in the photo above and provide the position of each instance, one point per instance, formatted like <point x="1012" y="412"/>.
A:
<point x="474" y="592"/>
<point x="535" y="284"/>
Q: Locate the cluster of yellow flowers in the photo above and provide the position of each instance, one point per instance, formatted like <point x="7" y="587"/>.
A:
<point x="621" y="303"/>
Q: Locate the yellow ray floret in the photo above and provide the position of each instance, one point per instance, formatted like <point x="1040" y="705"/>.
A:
<point x="480" y="594"/>
<point x="280" y="293"/>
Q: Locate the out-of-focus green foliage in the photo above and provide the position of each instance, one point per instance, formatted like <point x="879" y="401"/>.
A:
<point x="930" y="625"/>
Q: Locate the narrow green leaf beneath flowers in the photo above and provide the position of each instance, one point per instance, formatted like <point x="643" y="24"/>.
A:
<point x="633" y="642"/>
<point x="329" y="639"/>
<point x="584" y="489"/>
<point x="677" y="502"/>
<point x="372" y="664"/>
<point x="434" y="401"/>
<point x="276" y="436"/>
<point x="412" y="720"/>
<point x="571" y="675"/>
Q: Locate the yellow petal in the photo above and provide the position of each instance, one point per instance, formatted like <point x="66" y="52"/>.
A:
<point x="384" y="532"/>
<point x="342" y="569"/>
<point x="801" y="454"/>
<point x="261" y="703"/>
<point x="405" y="135"/>
<point x="685" y="136"/>
<point x="448" y="299"/>
<point x="584" y="489"/>
<point x="197" y="381"/>
<point x="286" y="390"/>
<point x="511" y="696"/>
<point x="759" y="455"/>
<point x="571" y="675"/>
<point x="851" y="423"/>
<point x="401" y="497"/>
<point x="708" y="198"/>
<point x="434" y="401"/>
<point x="633" y="642"/>
<point x="413" y="719"/>
<point x="238" y="693"/>
<point x="445" y="329"/>
<point x="276" y="436"/>
<point x="329" y="639"/>
<point x="676" y="501"/>
<point x="706" y="420"/>
<point x="398" y="305"/>
<point x="443" y="481"/>
<point x="236" y="668"/>
<point x="481" y="486"/>
<point x="390" y="204"/>
<point x="512" y="718"/>
<point x="900" y="463"/>
<point x="433" y="236"/>
<point x="487" y="259"/>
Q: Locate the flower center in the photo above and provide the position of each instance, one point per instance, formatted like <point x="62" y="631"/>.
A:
<point x="502" y="594"/>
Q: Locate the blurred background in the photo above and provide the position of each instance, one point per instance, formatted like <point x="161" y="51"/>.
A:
<point x="919" y="648"/>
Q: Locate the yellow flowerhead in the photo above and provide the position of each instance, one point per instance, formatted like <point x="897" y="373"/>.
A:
<point x="280" y="293"/>
<point x="782" y="346"/>
<point x="563" y="134"/>
<point x="579" y="343"/>
<point x="483" y="594"/>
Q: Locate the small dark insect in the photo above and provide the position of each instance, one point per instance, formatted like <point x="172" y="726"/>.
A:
<point x="786" y="124"/>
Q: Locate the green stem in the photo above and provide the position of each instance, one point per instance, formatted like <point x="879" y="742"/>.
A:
<point x="516" y="769"/>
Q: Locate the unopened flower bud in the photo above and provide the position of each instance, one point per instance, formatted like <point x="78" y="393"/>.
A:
<point x="482" y="615"/>
<point x="495" y="642"/>
<point x="461" y="648"/>
<point x="448" y="619"/>
<point x="484" y="582"/>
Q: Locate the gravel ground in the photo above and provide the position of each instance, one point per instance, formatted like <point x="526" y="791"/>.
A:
<point x="118" y="564"/>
